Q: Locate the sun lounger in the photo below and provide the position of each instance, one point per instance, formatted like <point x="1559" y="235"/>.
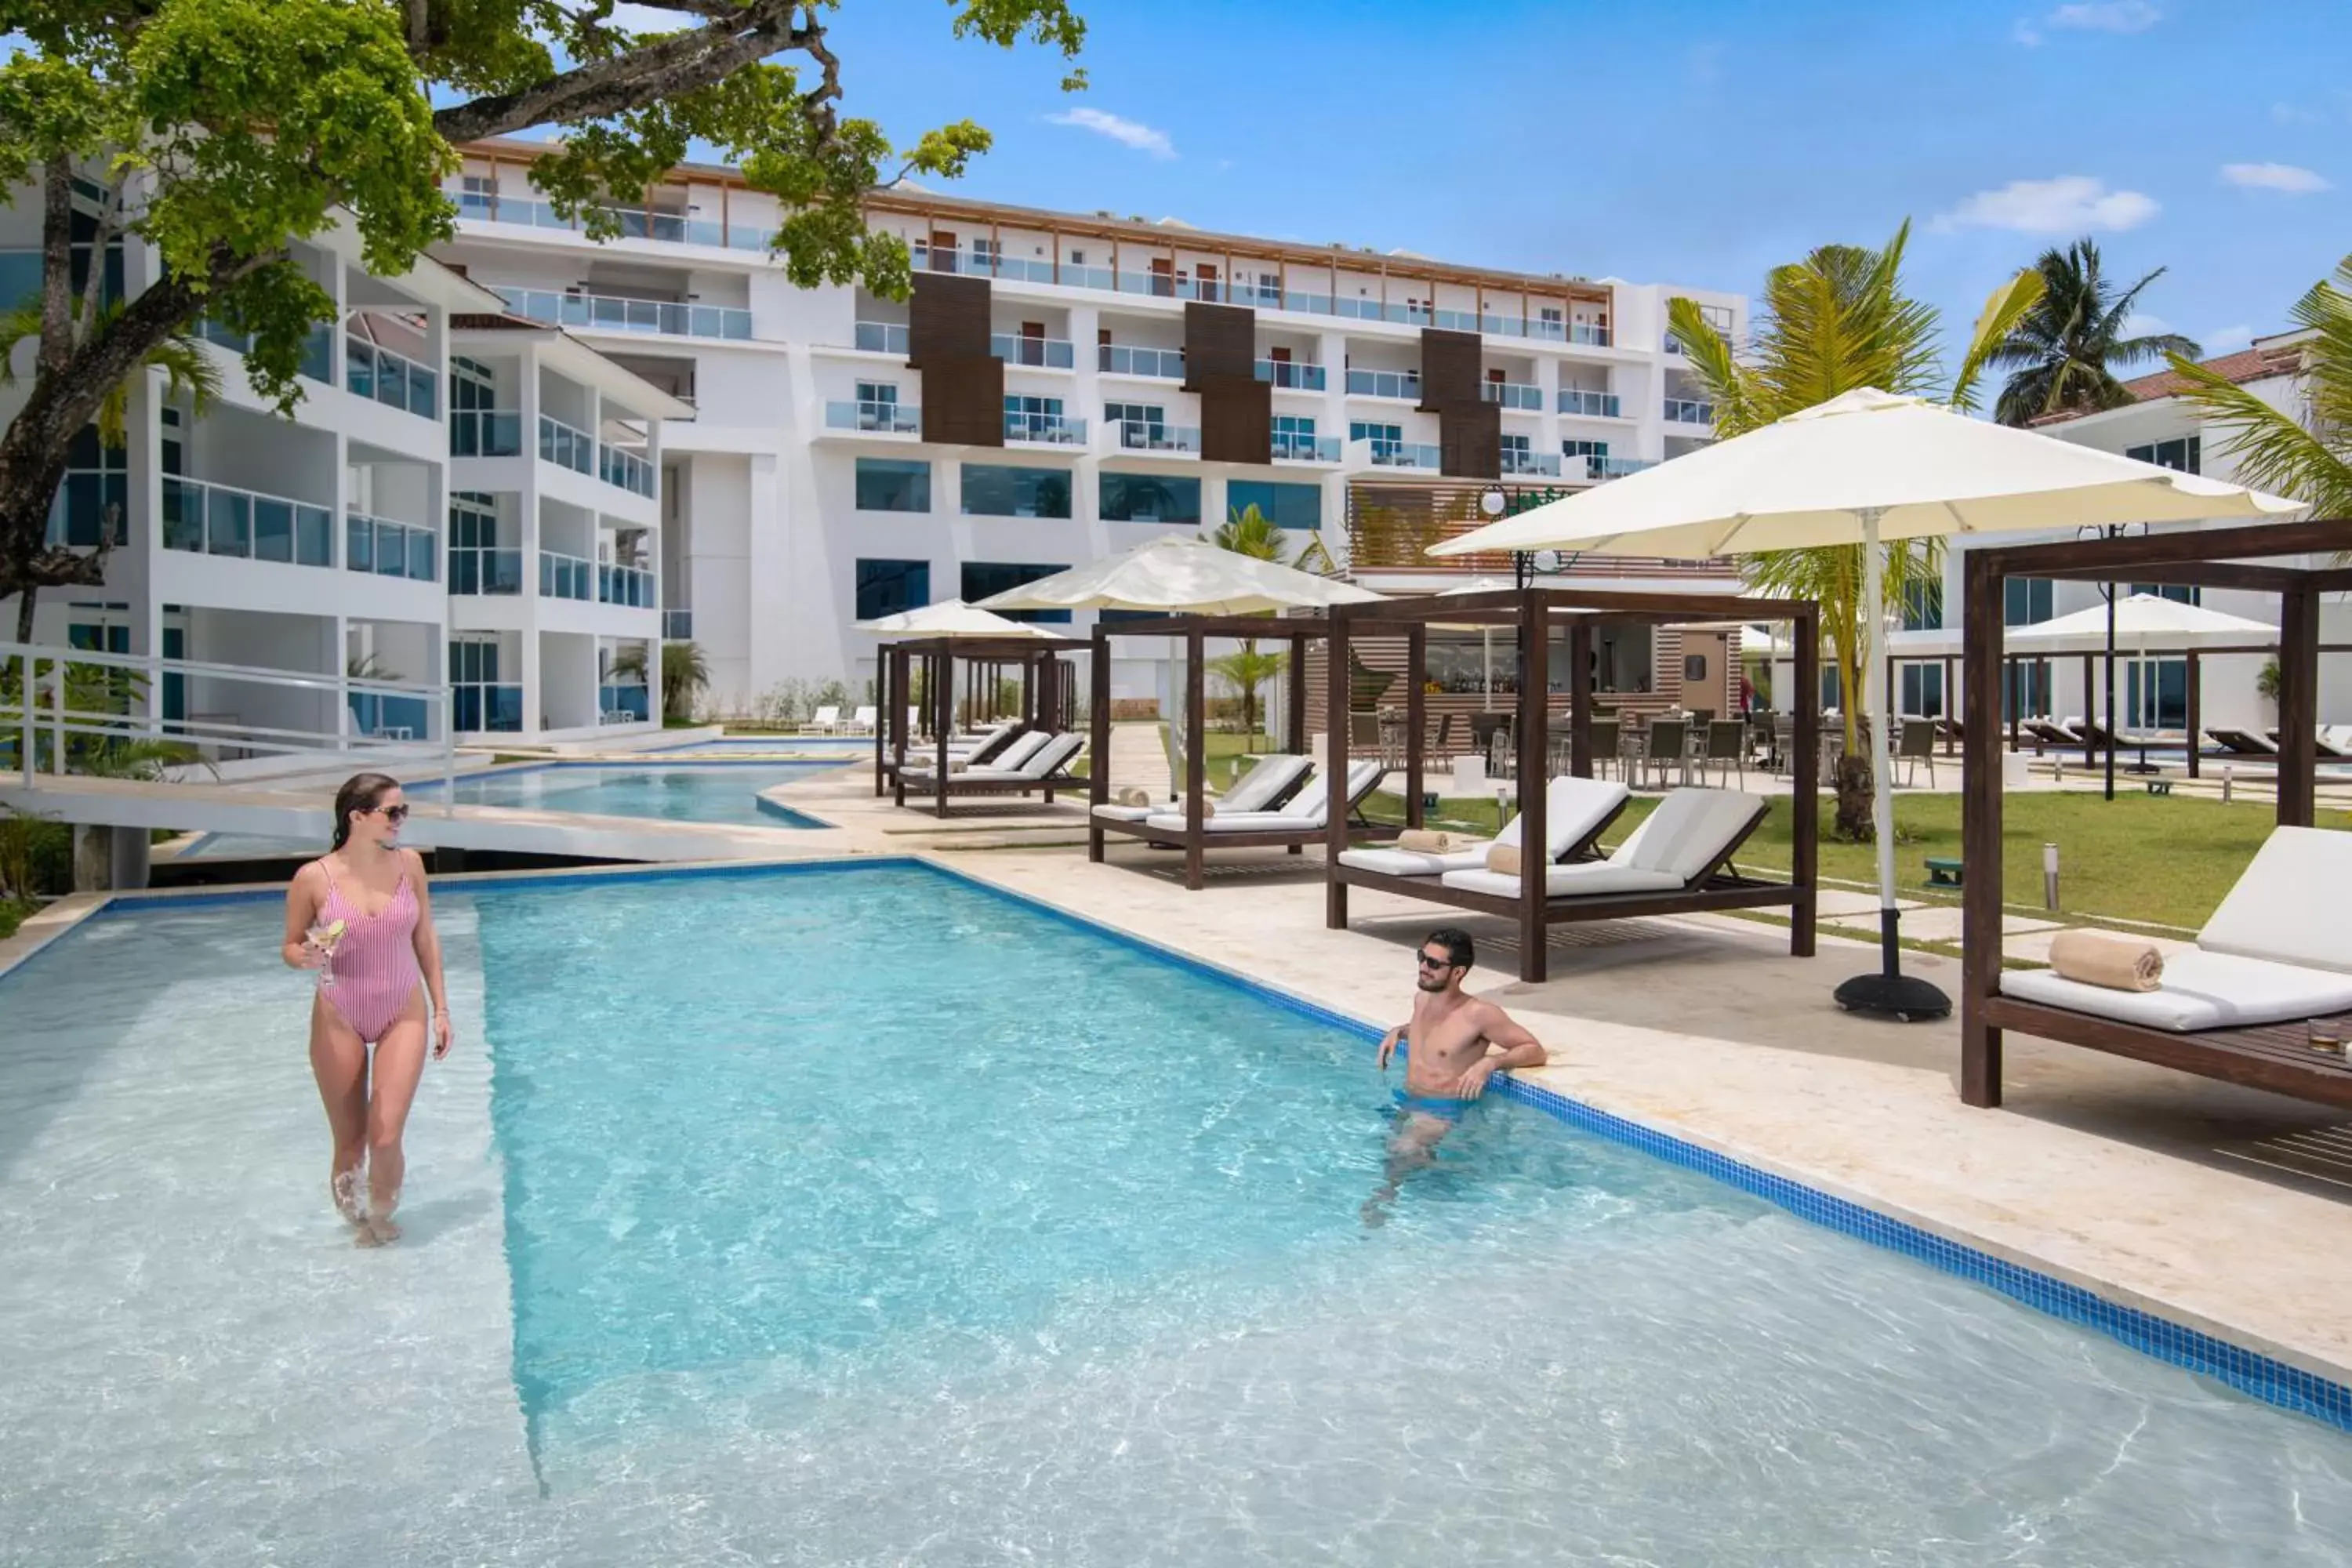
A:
<point x="1014" y="752"/>
<point x="1306" y="814"/>
<point x="1044" y="768"/>
<point x="859" y="723"/>
<point x="1300" y="820"/>
<point x="1267" y="785"/>
<point x="2242" y="743"/>
<point x="1691" y="834"/>
<point x="1576" y="810"/>
<point x="2327" y="746"/>
<point x="2048" y="733"/>
<point x="2277" y="951"/>
<point x="824" y="721"/>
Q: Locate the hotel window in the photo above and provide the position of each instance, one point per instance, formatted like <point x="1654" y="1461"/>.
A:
<point x="2184" y="455"/>
<point x="2178" y="593"/>
<point x="984" y="253"/>
<point x="1294" y="509"/>
<point x="1517" y="443"/>
<point x="1034" y="416"/>
<point x="879" y="392"/>
<point x="992" y="491"/>
<point x="1077" y="258"/>
<point x="1135" y="413"/>
<point x="886" y="587"/>
<point x="985" y="578"/>
<point x="1584" y="448"/>
<point x="479" y="196"/>
<point x="1149" y="498"/>
<point x="1923" y="606"/>
<point x="893" y="484"/>
<point x="2025" y="601"/>
<point x="1385" y="439"/>
<point x="1923" y="690"/>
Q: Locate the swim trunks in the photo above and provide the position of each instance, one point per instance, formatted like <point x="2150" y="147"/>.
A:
<point x="1444" y="1108"/>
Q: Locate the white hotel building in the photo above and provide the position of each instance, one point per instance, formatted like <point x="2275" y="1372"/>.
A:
<point x="523" y="463"/>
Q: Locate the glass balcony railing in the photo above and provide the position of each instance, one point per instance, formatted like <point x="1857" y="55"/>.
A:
<point x="612" y="313"/>
<point x="1518" y="461"/>
<point x="1385" y="384"/>
<point x="1051" y="429"/>
<point x="1404" y="453"/>
<point x="484" y="570"/>
<point x="92" y="507"/>
<point x="485" y="432"/>
<point x="629" y="586"/>
<point x="563" y="576"/>
<point x="678" y="625"/>
<point x="1513" y="394"/>
<point x="1587" y="332"/>
<point x="1593" y="405"/>
<point x="1689" y="411"/>
<point x="389" y="548"/>
<point x="616" y="704"/>
<point x="395" y="380"/>
<point x="318" y="346"/>
<point x="567" y="445"/>
<point x="1598" y="469"/>
<point x="1048" y="353"/>
<point x="634" y="223"/>
<point x="892" y="418"/>
<point x="1142" y="436"/>
<point x="220" y="520"/>
<point x="1120" y="359"/>
<point x="1290" y="373"/>
<point x="1295" y="446"/>
<point x="619" y="465"/>
<point x="881" y="337"/>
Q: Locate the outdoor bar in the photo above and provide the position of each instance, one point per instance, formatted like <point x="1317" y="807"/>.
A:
<point x="2276" y="1053"/>
<point x="1196" y="837"/>
<point x="1045" y="703"/>
<point x="1529" y="613"/>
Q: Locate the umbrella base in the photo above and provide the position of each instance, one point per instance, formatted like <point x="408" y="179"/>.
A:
<point x="1905" y="998"/>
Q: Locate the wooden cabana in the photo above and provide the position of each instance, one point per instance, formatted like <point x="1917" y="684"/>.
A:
<point x="1047" y="698"/>
<point x="1536" y="616"/>
<point x="2275" y="1056"/>
<point x="1196" y="837"/>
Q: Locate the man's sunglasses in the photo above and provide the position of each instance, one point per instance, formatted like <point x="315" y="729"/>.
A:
<point x="1429" y="962"/>
<point x="394" y="813"/>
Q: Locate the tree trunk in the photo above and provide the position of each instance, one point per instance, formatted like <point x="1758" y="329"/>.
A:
<point x="1853" y="823"/>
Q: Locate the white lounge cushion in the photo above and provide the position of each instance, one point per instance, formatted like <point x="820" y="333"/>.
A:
<point x="1413" y="862"/>
<point x="1305" y="812"/>
<point x="1005" y="761"/>
<point x="1235" y="822"/>
<point x="1125" y="813"/>
<point x="1574" y="809"/>
<point x="1056" y="751"/>
<point x="1581" y="881"/>
<point x="2288" y="905"/>
<point x="2202" y="990"/>
<point x="1268" y="778"/>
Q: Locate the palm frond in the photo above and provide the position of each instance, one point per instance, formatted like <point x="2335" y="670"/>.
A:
<point x="2003" y="308"/>
<point x="1709" y="356"/>
<point x="2271" y="449"/>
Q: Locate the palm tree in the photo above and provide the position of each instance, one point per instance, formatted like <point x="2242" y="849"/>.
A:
<point x="188" y="373"/>
<point x="1834" y="322"/>
<point x="685" y="673"/>
<point x="1249" y="531"/>
<point x="2310" y="458"/>
<point x="2060" y="355"/>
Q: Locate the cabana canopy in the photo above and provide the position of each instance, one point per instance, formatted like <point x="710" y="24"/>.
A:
<point x="1533" y="616"/>
<point x="1182" y="576"/>
<point x="2274" y="1055"/>
<point x="2144" y="623"/>
<point x="1036" y="654"/>
<point x="951" y="617"/>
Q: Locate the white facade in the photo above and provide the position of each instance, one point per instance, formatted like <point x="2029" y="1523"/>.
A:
<point x="319" y="544"/>
<point x="804" y="469"/>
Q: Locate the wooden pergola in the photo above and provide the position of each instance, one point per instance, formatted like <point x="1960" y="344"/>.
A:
<point x="2271" y="1056"/>
<point x="1046" y="693"/>
<point x="1194" y="631"/>
<point x="1535" y="615"/>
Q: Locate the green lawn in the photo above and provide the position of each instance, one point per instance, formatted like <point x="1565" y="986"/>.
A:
<point x="12" y="915"/>
<point x="2163" y="860"/>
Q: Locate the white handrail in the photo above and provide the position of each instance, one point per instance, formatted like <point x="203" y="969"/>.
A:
<point x="39" y="664"/>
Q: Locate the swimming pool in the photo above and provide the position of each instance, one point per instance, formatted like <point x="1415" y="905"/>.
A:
<point x="736" y="745"/>
<point x="865" y="1215"/>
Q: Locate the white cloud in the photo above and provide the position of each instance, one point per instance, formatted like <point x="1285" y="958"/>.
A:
<point x="2069" y="204"/>
<point x="2295" y="114"/>
<point x="2140" y="324"/>
<point x="2107" y="16"/>
<point x="1126" y="132"/>
<point x="2225" y="339"/>
<point x="2026" y="33"/>
<point x="2283" y="177"/>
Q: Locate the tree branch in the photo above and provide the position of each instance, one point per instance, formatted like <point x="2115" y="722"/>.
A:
<point x="56" y="263"/>
<point x="666" y="68"/>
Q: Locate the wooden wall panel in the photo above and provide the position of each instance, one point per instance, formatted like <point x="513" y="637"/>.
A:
<point x="963" y="401"/>
<point x="1470" y="440"/>
<point x="1237" y="419"/>
<point x="947" y="319"/>
<point x="1220" y="342"/>
<point x="1452" y="365"/>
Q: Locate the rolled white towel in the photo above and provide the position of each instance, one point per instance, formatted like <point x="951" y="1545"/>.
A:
<point x="2112" y="962"/>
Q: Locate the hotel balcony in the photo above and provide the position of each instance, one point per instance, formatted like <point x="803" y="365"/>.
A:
<point x="1046" y="354"/>
<point x="1544" y="464"/>
<point x="1517" y="395"/>
<point x="875" y="418"/>
<point x="220" y="519"/>
<point x="391" y="549"/>
<point x="881" y="338"/>
<point x="376" y="373"/>
<point x="1420" y="455"/>
<point x="610" y="313"/>
<point x="484" y="570"/>
<point x="1590" y="404"/>
<point x="1046" y="429"/>
<point x="1291" y="374"/>
<point x="1404" y="383"/>
<point x="1142" y="436"/>
<point x="1689" y="411"/>
<point x="1597" y="469"/>
<point x="1291" y="447"/>
<point x="1120" y="359"/>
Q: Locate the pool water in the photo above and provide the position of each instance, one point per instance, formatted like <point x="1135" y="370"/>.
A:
<point x="818" y="745"/>
<point x="863" y="1215"/>
<point x="724" y="793"/>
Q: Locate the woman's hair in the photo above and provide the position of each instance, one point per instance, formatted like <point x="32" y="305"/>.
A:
<point x="361" y="791"/>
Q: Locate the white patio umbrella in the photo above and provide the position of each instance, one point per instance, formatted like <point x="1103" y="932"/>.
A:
<point x="951" y="618"/>
<point x="1182" y="576"/>
<point x="1864" y="468"/>
<point x="2145" y="623"/>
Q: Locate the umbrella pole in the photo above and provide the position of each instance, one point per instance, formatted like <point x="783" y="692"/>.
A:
<point x="1890" y="992"/>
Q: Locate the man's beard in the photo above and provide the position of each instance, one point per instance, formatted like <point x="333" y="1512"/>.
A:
<point x="1429" y="984"/>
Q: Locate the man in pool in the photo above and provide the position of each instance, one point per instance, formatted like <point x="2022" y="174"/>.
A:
<point x="1455" y="1043"/>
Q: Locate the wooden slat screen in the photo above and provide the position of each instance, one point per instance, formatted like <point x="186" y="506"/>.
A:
<point x="947" y="319"/>
<point x="963" y="401"/>
<point x="1237" y="419"/>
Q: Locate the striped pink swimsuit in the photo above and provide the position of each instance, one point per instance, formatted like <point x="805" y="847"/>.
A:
<point x="374" y="963"/>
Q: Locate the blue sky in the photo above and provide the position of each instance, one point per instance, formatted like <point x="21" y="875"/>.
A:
<point x="1698" y="143"/>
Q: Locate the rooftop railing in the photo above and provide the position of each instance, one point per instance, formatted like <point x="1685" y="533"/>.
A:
<point x="634" y="223"/>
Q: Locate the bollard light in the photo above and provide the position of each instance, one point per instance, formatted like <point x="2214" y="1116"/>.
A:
<point x="2050" y="876"/>
<point x="2229" y="777"/>
<point x="1501" y="797"/>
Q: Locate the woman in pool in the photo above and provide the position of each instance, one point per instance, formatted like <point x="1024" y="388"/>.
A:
<point x="361" y="915"/>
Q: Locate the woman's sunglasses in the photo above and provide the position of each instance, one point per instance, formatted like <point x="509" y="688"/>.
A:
<point x="394" y="813"/>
